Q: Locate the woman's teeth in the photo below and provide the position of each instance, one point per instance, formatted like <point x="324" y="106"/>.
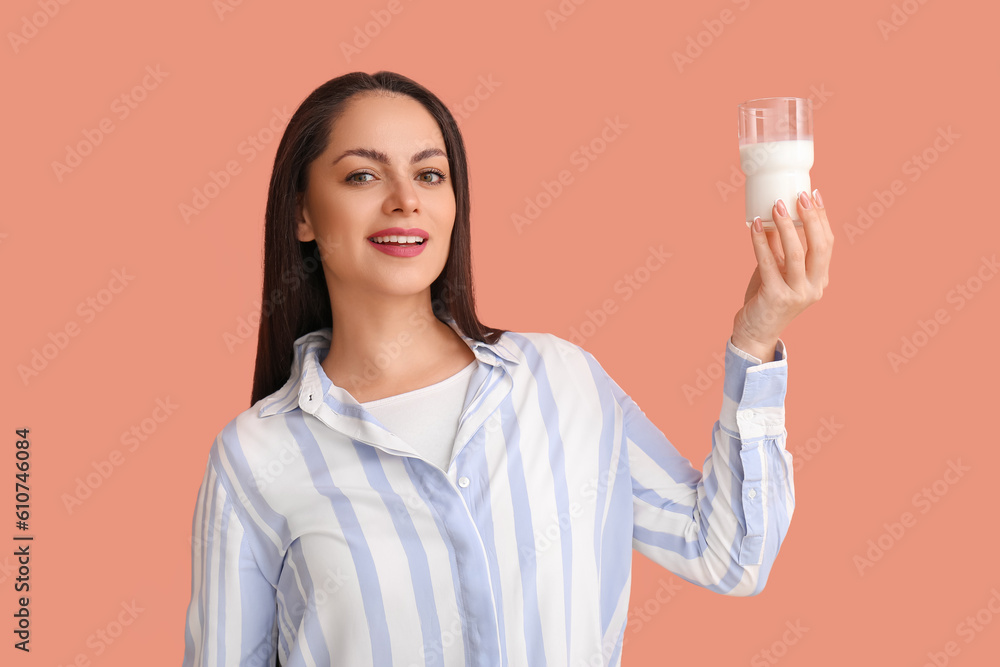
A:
<point x="398" y="240"/>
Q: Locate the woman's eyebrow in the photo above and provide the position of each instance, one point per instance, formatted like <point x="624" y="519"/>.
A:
<point x="379" y="156"/>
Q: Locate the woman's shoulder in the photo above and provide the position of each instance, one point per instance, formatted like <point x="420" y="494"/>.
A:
<point x="248" y="438"/>
<point x="562" y="366"/>
<point x="543" y="344"/>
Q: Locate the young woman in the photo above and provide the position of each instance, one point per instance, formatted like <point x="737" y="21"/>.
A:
<point x="412" y="487"/>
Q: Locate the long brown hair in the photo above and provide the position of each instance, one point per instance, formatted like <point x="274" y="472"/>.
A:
<point x="295" y="300"/>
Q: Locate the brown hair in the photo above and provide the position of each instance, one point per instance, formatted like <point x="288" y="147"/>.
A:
<point x="295" y="300"/>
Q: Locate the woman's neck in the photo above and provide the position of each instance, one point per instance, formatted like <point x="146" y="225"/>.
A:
<point x="373" y="355"/>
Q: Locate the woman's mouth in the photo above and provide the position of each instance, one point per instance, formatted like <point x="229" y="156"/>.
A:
<point x="399" y="246"/>
<point x="401" y="241"/>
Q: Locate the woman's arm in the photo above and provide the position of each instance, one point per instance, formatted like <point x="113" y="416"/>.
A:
<point x="231" y="618"/>
<point x="720" y="527"/>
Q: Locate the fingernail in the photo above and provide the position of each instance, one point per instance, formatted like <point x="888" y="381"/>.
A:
<point x="757" y="224"/>
<point x="819" y="200"/>
<point x="782" y="211"/>
<point x="804" y="200"/>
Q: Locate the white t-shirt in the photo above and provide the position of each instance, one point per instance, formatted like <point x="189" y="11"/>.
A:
<point x="427" y="418"/>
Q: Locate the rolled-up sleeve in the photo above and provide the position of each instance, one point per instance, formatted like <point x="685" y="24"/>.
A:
<point x="720" y="527"/>
<point x="232" y="614"/>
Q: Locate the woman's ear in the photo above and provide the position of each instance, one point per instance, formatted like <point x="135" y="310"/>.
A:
<point x="303" y="228"/>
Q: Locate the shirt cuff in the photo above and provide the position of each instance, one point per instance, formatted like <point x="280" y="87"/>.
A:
<point x="754" y="393"/>
<point x="779" y="352"/>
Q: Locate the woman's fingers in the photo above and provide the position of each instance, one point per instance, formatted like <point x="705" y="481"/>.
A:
<point x="795" y="269"/>
<point x="819" y="240"/>
<point x="767" y="265"/>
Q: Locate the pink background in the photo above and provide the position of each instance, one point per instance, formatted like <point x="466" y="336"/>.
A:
<point x="881" y="99"/>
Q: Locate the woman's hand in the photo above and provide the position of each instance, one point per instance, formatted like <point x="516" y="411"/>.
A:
<point x="792" y="271"/>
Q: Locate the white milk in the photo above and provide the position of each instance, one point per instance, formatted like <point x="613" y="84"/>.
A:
<point x="775" y="169"/>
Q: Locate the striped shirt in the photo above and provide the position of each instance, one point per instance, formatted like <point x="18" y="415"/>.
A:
<point x="324" y="538"/>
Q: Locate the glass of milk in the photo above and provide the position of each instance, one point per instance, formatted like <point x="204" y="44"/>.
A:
<point x="776" y="153"/>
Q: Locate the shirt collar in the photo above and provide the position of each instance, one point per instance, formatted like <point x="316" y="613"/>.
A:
<point x="307" y="376"/>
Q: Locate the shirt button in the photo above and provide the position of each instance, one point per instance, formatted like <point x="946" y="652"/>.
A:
<point x="752" y="493"/>
<point x="463" y="482"/>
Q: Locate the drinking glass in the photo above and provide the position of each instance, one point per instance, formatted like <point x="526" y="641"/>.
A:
<point x="776" y="153"/>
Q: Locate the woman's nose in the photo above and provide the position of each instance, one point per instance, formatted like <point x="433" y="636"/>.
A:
<point x="403" y="195"/>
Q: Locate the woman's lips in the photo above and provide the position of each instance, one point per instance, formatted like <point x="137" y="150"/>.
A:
<point x="400" y="250"/>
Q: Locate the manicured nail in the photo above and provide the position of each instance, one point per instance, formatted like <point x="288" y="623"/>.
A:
<point x="758" y="227"/>
<point x="804" y="200"/>
<point x="819" y="200"/>
<point x="782" y="211"/>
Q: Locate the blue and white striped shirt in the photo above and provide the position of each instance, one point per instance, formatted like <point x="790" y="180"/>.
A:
<point x="323" y="537"/>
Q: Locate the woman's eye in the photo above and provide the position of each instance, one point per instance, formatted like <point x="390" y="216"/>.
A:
<point x="433" y="173"/>
<point x="360" y="173"/>
<point x="353" y="179"/>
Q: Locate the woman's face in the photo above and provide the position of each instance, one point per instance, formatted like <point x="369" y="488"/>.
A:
<point x="385" y="166"/>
